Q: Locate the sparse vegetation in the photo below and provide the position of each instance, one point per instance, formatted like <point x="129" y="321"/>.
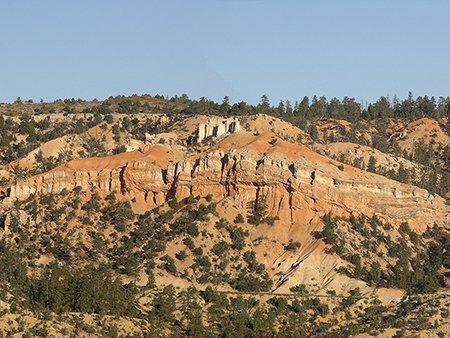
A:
<point x="83" y="262"/>
<point x="413" y="264"/>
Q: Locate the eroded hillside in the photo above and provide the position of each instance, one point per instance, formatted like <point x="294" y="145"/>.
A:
<point x="248" y="204"/>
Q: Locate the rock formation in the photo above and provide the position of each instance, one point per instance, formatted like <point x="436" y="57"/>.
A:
<point x="299" y="184"/>
<point x="216" y="127"/>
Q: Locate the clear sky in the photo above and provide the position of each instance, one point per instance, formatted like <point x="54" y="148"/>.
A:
<point x="212" y="48"/>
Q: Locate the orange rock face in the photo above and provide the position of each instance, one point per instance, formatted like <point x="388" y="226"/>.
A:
<point x="300" y="185"/>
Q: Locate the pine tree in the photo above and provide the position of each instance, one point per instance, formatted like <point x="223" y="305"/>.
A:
<point x="372" y="164"/>
<point x="313" y="132"/>
<point x="264" y="105"/>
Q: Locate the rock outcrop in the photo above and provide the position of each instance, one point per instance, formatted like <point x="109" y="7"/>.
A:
<point x="216" y="127"/>
<point x="298" y="187"/>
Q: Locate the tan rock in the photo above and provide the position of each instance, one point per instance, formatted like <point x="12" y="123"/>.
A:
<point x="298" y="182"/>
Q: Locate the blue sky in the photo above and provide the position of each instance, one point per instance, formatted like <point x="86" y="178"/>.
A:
<point x="212" y="48"/>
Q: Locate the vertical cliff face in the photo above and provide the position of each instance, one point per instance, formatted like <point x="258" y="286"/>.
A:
<point x="216" y="127"/>
<point x="297" y="190"/>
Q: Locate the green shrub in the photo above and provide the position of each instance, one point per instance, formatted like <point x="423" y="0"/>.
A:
<point x="220" y="248"/>
<point x="292" y="246"/>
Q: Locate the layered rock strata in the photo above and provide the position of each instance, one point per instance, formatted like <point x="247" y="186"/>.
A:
<point x="297" y="190"/>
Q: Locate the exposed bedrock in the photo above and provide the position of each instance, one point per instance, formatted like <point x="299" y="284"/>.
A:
<point x="296" y="190"/>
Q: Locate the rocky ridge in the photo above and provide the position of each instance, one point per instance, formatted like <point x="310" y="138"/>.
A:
<point x="297" y="186"/>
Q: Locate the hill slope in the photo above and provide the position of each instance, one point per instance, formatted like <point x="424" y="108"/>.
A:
<point x="247" y="212"/>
